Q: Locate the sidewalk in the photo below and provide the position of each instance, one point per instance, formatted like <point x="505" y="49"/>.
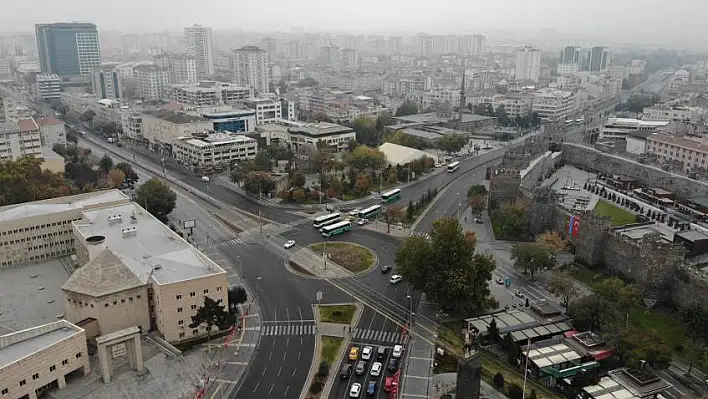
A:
<point x="383" y="228"/>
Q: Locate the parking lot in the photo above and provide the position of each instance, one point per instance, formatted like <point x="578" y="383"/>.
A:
<point x="348" y="375"/>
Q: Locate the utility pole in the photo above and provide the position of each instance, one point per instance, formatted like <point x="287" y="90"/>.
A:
<point x="260" y="221"/>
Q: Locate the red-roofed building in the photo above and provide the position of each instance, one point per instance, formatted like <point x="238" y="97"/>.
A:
<point x="52" y="130"/>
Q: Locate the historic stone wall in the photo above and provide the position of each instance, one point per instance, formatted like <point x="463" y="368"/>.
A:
<point x="503" y="187"/>
<point x="539" y="168"/>
<point x="593" y="160"/>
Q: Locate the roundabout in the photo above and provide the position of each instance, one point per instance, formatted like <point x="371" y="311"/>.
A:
<point x="353" y="257"/>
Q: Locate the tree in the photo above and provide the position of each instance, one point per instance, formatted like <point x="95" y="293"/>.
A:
<point x="364" y="157"/>
<point x="624" y="296"/>
<point x="212" y="314"/>
<point x="498" y="380"/>
<point x="446" y="267"/>
<point x="392" y="176"/>
<point x="451" y="143"/>
<point x="553" y="241"/>
<point x="501" y="115"/>
<point x="298" y="195"/>
<point x="262" y="161"/>
<point x="131" y="177"/>
<point x="307" y="82"/>
<point x="157" y="197"/>
<point x="483" y="109"/>
<point x="592" y="313"/>
<point x="237" y="296"/>
<point x="493" y="331"/>
<point x="476" y="190"/>
<point x="515" y="391"/>
<point x="363" y="182"/>
<point x="366" y="132"/>
<point x="297" y="179"/>
<point x="105" y="164"/>
<point x="88" y="116"/>
<point x="258" y="182"/>
<point x="563" y="286"/>
<point x="23" y="180"/>
<point x="72" y="136"/>
<point x="321" y="117"/>
<point x="636" y="345"/>
<point x="407" y="108"/>
<point x="477" y="204"/>
<point x="510" y="222"/>
<point x="531" y="257"/>
<point x="335" y="189"/>
<point x="116" y="178"/>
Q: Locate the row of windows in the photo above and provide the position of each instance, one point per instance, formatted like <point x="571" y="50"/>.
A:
<point x="105" y="305"/>
<point x="40" y="227"/>
<point x="35" y="238"/>
<point x="50" y="255"/>
<point x="193" y="293"/>
<point x="35" y="376"/>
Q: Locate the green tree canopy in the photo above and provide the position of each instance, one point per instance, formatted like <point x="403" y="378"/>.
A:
<point x="406" y="140"/>
<point x="259" y="182"/>
<point x="532" y="257"/>
<point x="157" y="197"/>
<point x="364" y="157"/>
<point x="366" y="132"/>
<point x="297" y="179"/>
<point x="262" y="162"/>
<point x="477" y="189"/>
<point x="105" y="164"/>
<point x="446" y="267"/>
<point x="23" y="180"/>
<point x="451" y="143"/>
<point x="510" y="222"/>
<point x="212" y="314"/>
<point x="563" y="286"/>
<point x="131" y="177"/>
<point x="407" y="108"/>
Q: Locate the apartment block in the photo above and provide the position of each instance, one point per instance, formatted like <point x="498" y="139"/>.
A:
<point x="38" y="359"/>
<point x="182" y="67"/>
<point x="208" y="92"/>
<point x="106" y="82"/>
<point x="267" y="110"/>
<point x="198" y="42"/>
<point x="153" y="82"/>
<point x="251" y="68"/>
<point x="162" y="128"/>
<point x="528" y="64"/>
<point x="52" y="131"/>
<point x="18" y="139"/>
<point x="515" y="105"/>
<point x="553" y="105"/>
<point x="8" y="110"/>
<point x="691" y="153"/>
<point x="47" y="87"/>
<point x="214" y="152"/>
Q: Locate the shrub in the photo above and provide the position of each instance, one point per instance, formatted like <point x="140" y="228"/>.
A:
<point x="323" y="370"/>
<point x="316" y="386"/>
<point x="515" y="392"/>
<point x="533" y="394"/>
<point x="498" y="380"/>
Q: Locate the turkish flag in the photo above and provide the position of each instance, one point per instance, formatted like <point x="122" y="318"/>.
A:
<point x="575" y="229"/>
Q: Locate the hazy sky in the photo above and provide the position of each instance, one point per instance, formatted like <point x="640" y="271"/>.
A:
<point x="630" y="19"/>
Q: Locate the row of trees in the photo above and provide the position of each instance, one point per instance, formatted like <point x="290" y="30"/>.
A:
<point x="525" y="122"/>
<point x="23" y="180"/>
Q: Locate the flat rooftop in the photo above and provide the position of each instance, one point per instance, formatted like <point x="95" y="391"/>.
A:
<point x="153" y="246"/>
<point x="60" y="204"/>
<point x="17" y="346"/>
<point x="174" y="117"/>
<point x="320" y="129"/>
<point x="31" y="295"/>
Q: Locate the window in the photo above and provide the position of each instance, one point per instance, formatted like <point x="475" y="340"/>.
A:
<point x="35" y="376"/>
<point x="180" y="323"/>
<point x="194" y="307"/>
<point x="179" y="297"/>
<point x="122" y="301"/>
<point x="65" y="362"/>
<point x="181" y="335"/>
<point x="105" y="305"/>
<point x="78" y="355"/>
<point x="115" y="303"/>
<point x="192" y="293"/>
<point x="195" y="331"/>
<point x="23" y="382"/>
<point x="206" y="292"/>
<point x="218" y="289"/>
<point x="179" y="310"/>
<point x="52" y="368"/>
<point x="4" y="391"/>
<point x="138" y="296"/>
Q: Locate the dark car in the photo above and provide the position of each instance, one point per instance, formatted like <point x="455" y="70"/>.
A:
<point x="392" y="365"/>
<point x="371" y="388"/>
<point x="381" y="353"/>
<point x="385" y="269"/>
<point x="360" y="368"/>
<point x="346" y="371"/>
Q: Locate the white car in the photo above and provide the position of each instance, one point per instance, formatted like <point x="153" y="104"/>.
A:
<point x="289" y="244"/>
<point x="355" y="390"/>
<point x="205" y="179"/>
<point x="354" y="212"/>
<point x="396" y="278"/>
<point x="366" y="353"/>
<point x="376" y="369"/>
<point x="362" y="222"/>
<point x="397" y="351"/>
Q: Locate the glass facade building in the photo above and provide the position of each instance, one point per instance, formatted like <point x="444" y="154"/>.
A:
<point x="68" y="49"/>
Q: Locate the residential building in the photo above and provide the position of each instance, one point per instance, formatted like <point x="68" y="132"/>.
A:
<point x="553" y="105"/>
<point x="47" y="87"/>
<point x="6" y="69"/>
<point x="636" y="67"/>
<point x="350" y="58"/>
<point x="267" y="110"/>
<point x="153" y="82"/>
<point x="162" y="128"/>
<point x="331" y="57"/>
<point x="8" y="110"/>
<point x="571" y="55"/>
<point x="691" y="153"/>
<point x="515" y="105"/>
<point x="107" y="111"/>
<point x="620" y="128"/>
<point x="41" y="358"/>
<point x="209" y="92"/>
<point x="182" y="67"/>
<point x="637" y="141"/>
<point x="214" y="152"/>
<point x="19" y="139"/>
<point x="297" y="134"/>
<point x="198" y="42"/>
<point x="132" y="125"/>
<point x="228" y="119"/>
<point x="528" y="64"/>
<point x="673" y="113"/>
<point x="137" y="272"/>
<point x="567" y="68"/>
<point x="287" y="107"/>
<point x="52" y="131"/>
<point x="70" y="50"/>
<point x="106" y="81"/>
<point x="599" y="59"/>
<point x="478" y="43"/>
<point x="251" y="68"/>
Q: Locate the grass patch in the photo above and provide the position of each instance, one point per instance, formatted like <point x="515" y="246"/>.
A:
<point x="299" y="268"/>
<point x="619" y="216"/>
<point x="491" y="365"/>
<point x="354" y="258"/>
<point x="342" y="314"/>
<point x="330" y="348"/>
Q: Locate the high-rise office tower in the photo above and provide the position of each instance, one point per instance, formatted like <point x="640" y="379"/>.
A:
<point x="528" y="64"/>
<point x="570" y="55"/>
<point x="251" y="68"/>
<point x="69" y="50"/>
<point x="478" y="45"/>
<point x="197" y="41"/>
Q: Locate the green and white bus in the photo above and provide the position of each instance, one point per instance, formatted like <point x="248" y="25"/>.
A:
<point x="325" y="220"/>
<point x="337" y="228"/>
<point x="390" y="196"/>
<point x="370" y="212"/>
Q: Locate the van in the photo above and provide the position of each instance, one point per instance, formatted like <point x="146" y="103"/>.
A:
<point x="345" y="371"/>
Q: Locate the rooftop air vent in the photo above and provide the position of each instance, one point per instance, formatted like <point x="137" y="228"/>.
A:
<point x="95" y="240"/>
<point x="157" y="267"/>
<point x="114" y="219"/>
<point x="129" y="232"/>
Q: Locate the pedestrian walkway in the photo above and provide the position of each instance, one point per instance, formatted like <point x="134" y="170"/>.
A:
<point x="289" y="329"/>
<point x="420" y="234"/>
<point x="377" y="336"/>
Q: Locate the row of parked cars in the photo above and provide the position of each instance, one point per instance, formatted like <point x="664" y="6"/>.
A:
<point x="359" y="362"/>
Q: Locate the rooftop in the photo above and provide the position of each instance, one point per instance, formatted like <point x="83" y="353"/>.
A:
<point x="642" y="383"/>
<point x="632" y="122"/>
<point x="320" y="129"/>
<point x="422" y="134"/>
<point x="48" y="120"/>
<point x="18" y="345"/>
<point x="174" y="117"/>
<point x="250" y="48"/>
<point x="695" y="145"/>
<point x="105" y="274"/>
<point x="218" y="138"/>
<point x="692" y="235"/>
<point x="149" y="247"/>
<point x="432" y="117"/>
<point x="60" y="204"/>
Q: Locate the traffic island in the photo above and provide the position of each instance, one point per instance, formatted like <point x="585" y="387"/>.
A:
<point x="341" y="314"/>
<point x="353" y="257"/>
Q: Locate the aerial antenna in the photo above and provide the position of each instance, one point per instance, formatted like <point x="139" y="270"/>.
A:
<point x="462" y="97"/>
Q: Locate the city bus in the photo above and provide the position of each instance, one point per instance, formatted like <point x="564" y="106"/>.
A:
<point x="337" y="228"/>
<point x="370" y="212"/>
<point x="453" y="166"/>
<point x="327" y="220"/>
<point x="391" y="196"/>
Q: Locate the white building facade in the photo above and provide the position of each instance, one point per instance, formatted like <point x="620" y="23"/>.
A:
<point x="198" y="42"/>
<point x="182" y="67"/>
<point x="553" y="105"/>
<point x="528" y="64"/>
<point x="153" y="82"/>
<point x="106" y="82"/>
<point x="215" y="152"/>
<point x="47" y="87"/>
<point x="267" y="110"/>
<point x="251" y="68"/>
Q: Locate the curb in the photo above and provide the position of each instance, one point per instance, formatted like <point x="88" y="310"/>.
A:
<point x="374" y="264"/>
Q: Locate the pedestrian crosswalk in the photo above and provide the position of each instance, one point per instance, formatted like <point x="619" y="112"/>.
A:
<point x="227" y="243"/>
<point x="420" y="234"/>
<point x="289" y="329"/>
<point x="377" y="336"/>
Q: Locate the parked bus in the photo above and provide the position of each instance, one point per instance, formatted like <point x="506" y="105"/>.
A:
<point x="337" y="228"/>
<point x="453" y="166"/>
<point x="325" y="220"/>
<point x="391" y="196"/>
<point x="370" y="212"/>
